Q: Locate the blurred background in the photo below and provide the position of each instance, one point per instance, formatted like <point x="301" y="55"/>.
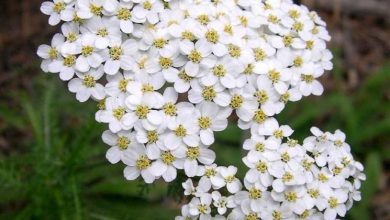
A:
<point x="52" y="163"/>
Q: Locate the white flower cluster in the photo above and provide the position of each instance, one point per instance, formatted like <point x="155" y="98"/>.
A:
<point x="316" y="180"/>
<point x="250" y="57"/>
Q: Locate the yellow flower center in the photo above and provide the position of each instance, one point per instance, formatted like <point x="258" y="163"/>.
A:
<point x="288" y="40"/>
<point x="123" y="142"/>
<point x="314" y="193"/>
<point x="230" y="179"/>
<point x="89" y="81"/>
<point x="102" y="32"/>
<point x="165" y="62"/>
<point x="167" y="158"/>
<point x="160" y="43"/>
<point x="147" y="87"/>
<point x="234" y="50"/>
<point x="58" y="7"/>
<point x="273" y="19"/>
<point x="307" y="78"/>
<point x="255" y="193"/>
<point x="53" y="53"/>
<point x="202" y="208"/>
<point x="152" y="136"/>
<point x="147" y="5"/>
<point x="142" y="111"/>
<point x="204" y="122"/>
<point x="118" y="113"/>
<point x="243" y="20"/>
<point x="294" y="14"/>
<point x="122" y="85"/>
<point x="219" y="70"/>
<point x="298" y="26"/>
<point x="170" y="109"/>
<point x="285" y="157"/>
<point x="203" y="19"/>
<point x="101" y="104"/>
<point x="212" y="36"/>
<point x="86" y="51"/>
<point x="236" y="101"/>
<point x="262" y="167"/>
<point x="262" y="96"/>
<point x="251" y="216"/>
<point x="188" y="35"/>
<point x="124" y="14"/>
<point x="181" y="131"/>
<point x="322" y="178"/>
<point x="183" y="76"/>
<point x="291" y="196"/>
<point x="287" y="177"/>
<point x="96" y="10"/>
<point x="209" y="93"/>
<point x="69" y="61"/>
<point x="259" y="116"/>
<point x="298" y="61"/>
<point x="195" y="56"/>
<point x="332" y="202"/>
<point x="260" y="147"/>
<point x="193" y="153"/>
<point x="309" y="44"/>
<point x="72" y="37"/>
<point x="278" y="133"/>
<point x="259" y="54"/>
<point x="210" y="172"/>
<point x="274" y="76"/>
<point x="228" y="29"/>
<point x="142" y="163"/>
<point x="276" y="215"/>
<point x="116" y="53"/>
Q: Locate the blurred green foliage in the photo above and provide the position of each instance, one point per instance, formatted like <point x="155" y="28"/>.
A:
<point x="59" y="171"/>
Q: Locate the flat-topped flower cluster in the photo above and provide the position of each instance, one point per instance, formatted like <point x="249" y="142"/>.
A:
<point x="168" y="74"/>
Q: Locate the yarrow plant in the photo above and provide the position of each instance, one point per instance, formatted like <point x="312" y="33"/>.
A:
<point x="250" y="57"/>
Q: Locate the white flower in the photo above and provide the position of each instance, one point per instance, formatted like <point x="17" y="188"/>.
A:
<point x="225" y="72"/>
<point x="307" y="80"/>
<point x="141" y="109"/>
<point x="333" y="203"/>
<point x="114" y="114"/>
<point x="215" y="93"/>
<point x="211" y="118"/>
<point x="138" y="164"/>
<point x="184" y="131"/>
<point x="278" y="74"/>
<point x="52" y="52"/>
<point x="198" y="55"/>
<point x="92" y="8"/>
<point x="166" y="164"/>
<point x="89" y="55"/>
<point x="86" y="85"/>
<point x="117" y="84"/>
<point x="105" y="29"/>
<point x="65" y="66"/>
<point x="201" y="206"/>
<point x="211" y="176"/>
<point x="120" y="57"/>
<point x="123" y="14"/>
<point x="119" y="142"/>
<point x="233" y="184"/>
<point x="147" y="10"/>
<point x="195" y="154"/>
<point x="220" y="202"/>
<point x="58" y="10"/>
<point x="271" y="128"/>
